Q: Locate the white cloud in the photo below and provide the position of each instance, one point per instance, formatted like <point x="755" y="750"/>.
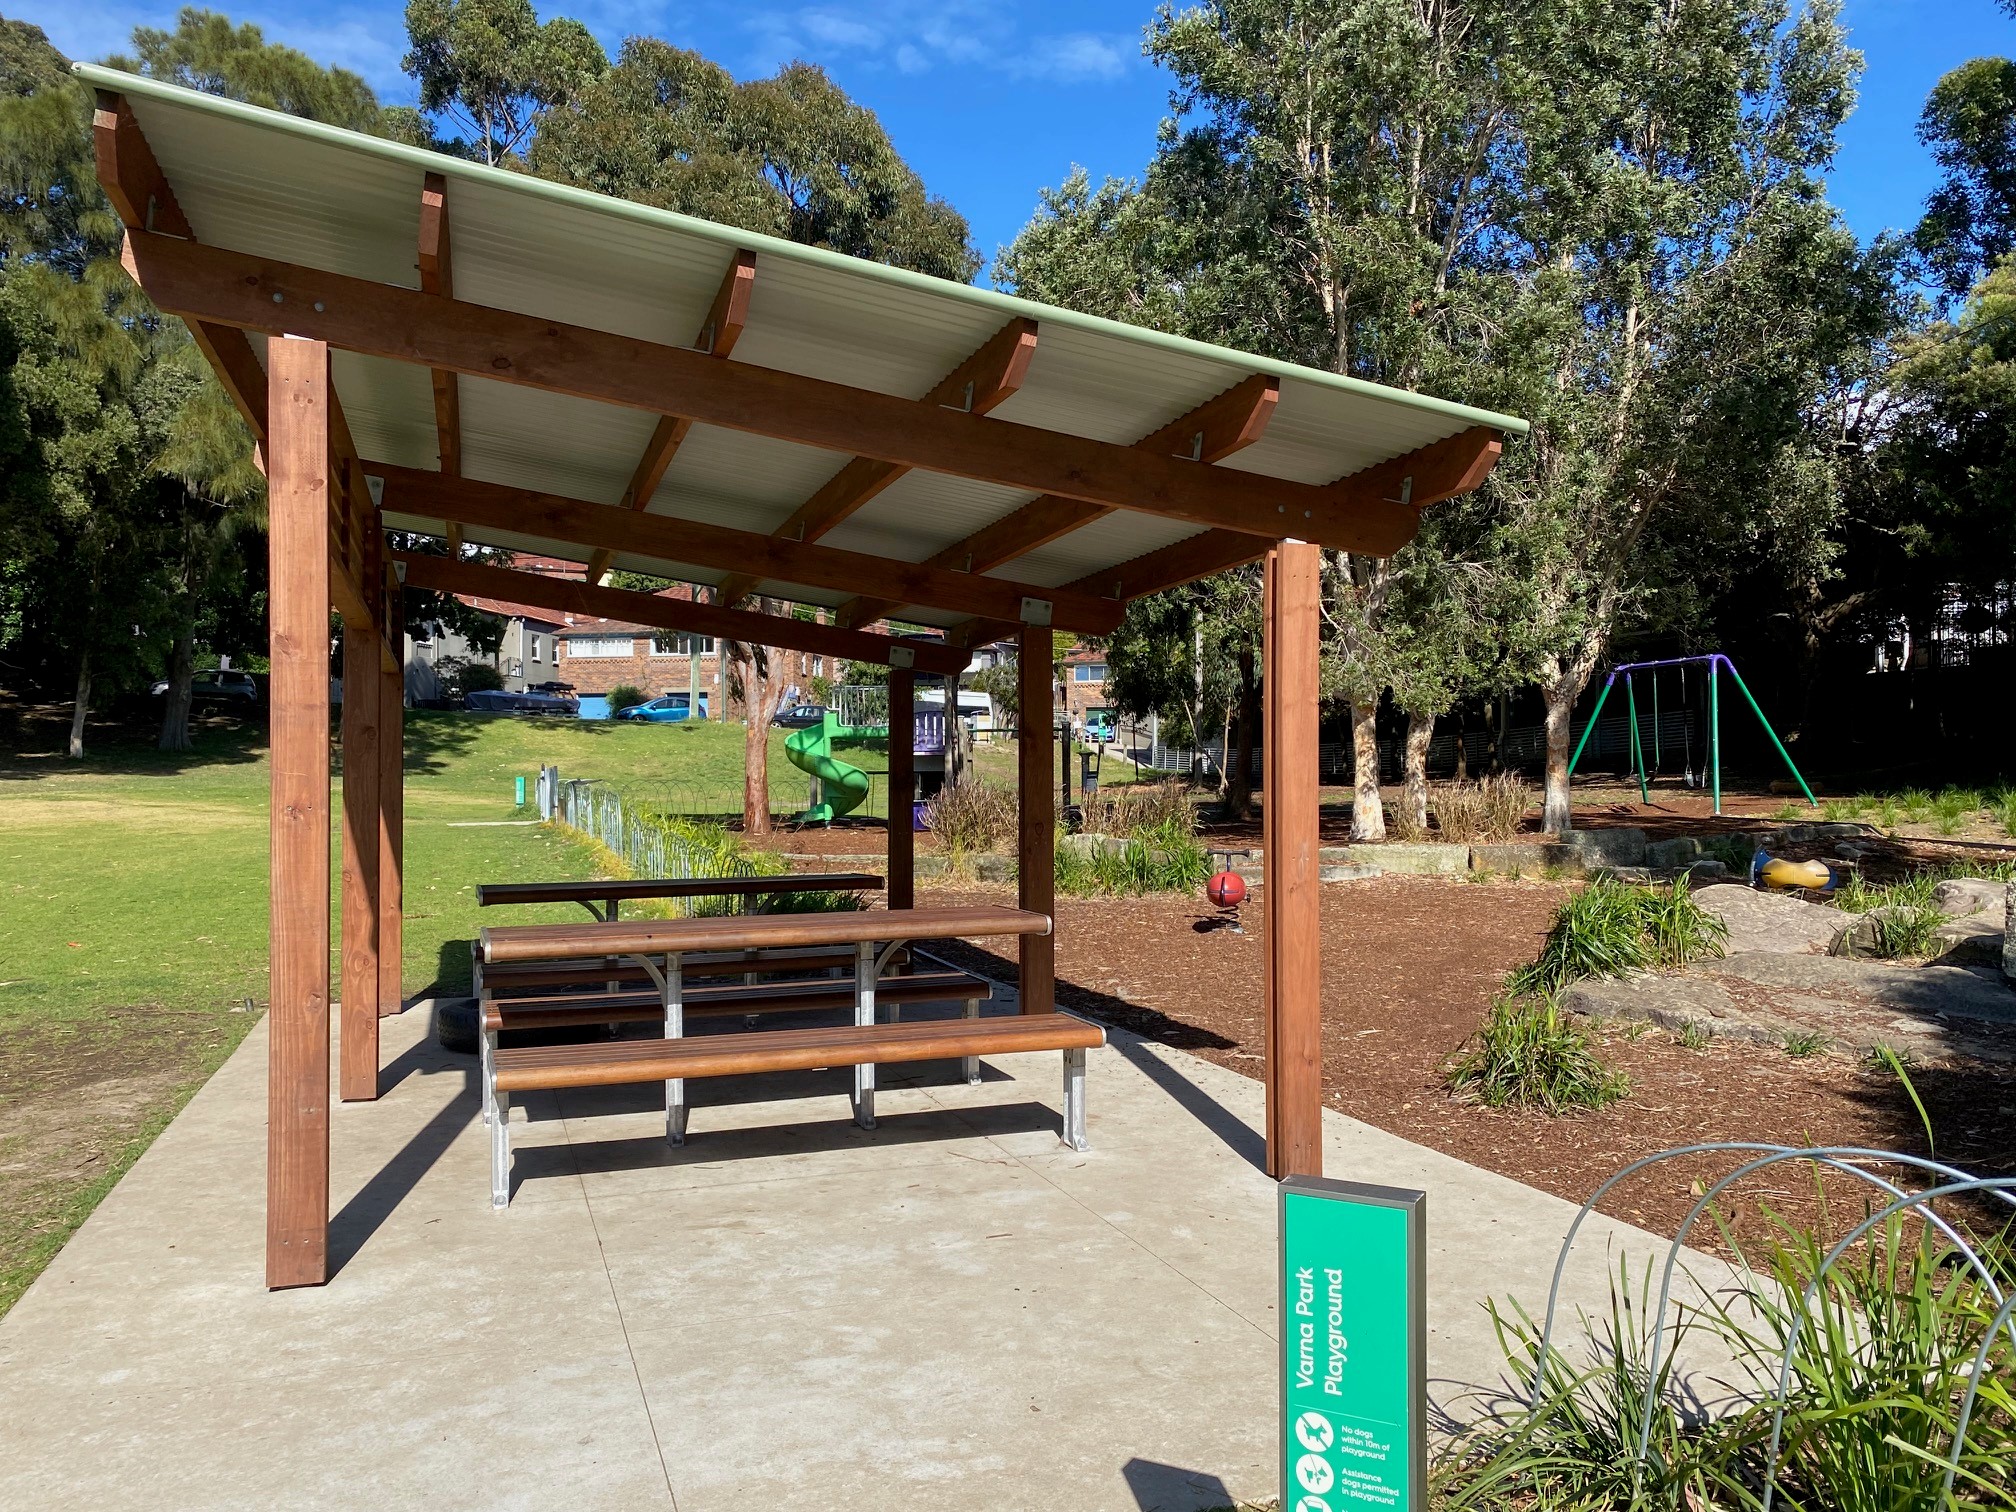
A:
<point x="916" y="36"/>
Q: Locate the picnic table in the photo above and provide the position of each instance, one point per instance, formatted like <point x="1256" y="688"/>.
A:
<point x="660" y="947"/>
<point x="612" y="893"/>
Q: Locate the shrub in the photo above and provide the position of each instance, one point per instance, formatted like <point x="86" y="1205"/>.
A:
<point x="970" y="817"/>
<point x="464" y="677"/>
<point x="1459" y="810"/>
<point x="1611" y="928"/>
<point x="1528" y="1053"/>
<point x="1161" y="858"/>
<point x="1507" y="797"/>
<point x="626" y="696"/>
<point x="1140" y="808"/>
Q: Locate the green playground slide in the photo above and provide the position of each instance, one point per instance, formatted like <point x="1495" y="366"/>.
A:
<point x="843" y="787"/>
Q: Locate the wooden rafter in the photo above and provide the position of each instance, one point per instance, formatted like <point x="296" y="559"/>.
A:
<point x="1215" y="429"/>
<point x="1440" y="470"/>
<point x="145" y="201"/>
<point x="720" y="548"/>
<point x="405" y="325"/>
<point x="718" y="334"/>
<point x="437" y="276"/>
<point x="977" y="386"/>
<point x="576" y="596"/>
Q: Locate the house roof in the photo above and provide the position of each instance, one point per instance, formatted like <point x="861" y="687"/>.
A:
<point x="295" y="192"/>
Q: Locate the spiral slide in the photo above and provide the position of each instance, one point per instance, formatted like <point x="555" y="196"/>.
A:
<point x="843" y="787"/>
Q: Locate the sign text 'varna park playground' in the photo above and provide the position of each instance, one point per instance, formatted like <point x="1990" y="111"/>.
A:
<point x="1353" y="1346"/>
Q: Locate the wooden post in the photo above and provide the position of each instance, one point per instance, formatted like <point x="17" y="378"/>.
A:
<point x="1292" y="906"/>
<point x="391" y="817"/>
<point x="297" y="1111"/>
<point x="363" y="693"/>
<point x="902" y="787"/>
<point x="1036" y="853"/>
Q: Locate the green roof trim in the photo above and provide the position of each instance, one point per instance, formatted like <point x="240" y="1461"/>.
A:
<point x="1006" y="305"/>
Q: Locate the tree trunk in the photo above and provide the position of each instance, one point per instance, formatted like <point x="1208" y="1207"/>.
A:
<point x="1239" y="789"/>
<point x="1462" y="756"/>
<point x="1560" y="693"/>
<point x="181" y="691"/>
<point x="1420" y="729"/>
<point x="1368" y="819"/>
<point x="81" y="705"/>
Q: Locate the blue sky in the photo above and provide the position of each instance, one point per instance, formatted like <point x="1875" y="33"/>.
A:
<point x="992" y="101"/>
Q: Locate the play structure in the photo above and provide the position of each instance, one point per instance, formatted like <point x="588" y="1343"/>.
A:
<point x="841" y="787"/>
<point x="1711" y="771"/>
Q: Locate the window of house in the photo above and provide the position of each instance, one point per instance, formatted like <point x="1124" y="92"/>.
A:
<point x="1090" y="672"/>
<point x="818" y="666"/>
<point x="682" y="645"/>
<point x="536" y="654"/>
<point x="600" y="645"/>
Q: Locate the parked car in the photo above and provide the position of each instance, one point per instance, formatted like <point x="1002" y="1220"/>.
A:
<point x="669" y="708"/>
<point x="800" y="716"/>
<point x="503" y="701"/>
<point x="237" y="686"/>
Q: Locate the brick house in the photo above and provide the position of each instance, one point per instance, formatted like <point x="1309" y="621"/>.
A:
<point x="1084" y="671"/>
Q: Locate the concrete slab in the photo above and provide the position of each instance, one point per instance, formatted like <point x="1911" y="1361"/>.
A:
<point x="952" y="1312"/>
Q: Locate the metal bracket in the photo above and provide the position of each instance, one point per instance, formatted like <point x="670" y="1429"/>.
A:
<point x="1036" y="611"/>
<point x="1406" y="491"/>
<point x="706" y="342"/>
<point x="399" y="571"/>
<point x="965" y="405"/>
<point x="902" y="657"/>
<point x="1196" y="452"/>
<point x="375" y="486"/>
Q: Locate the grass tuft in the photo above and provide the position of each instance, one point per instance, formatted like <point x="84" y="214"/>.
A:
<point x="1527" y="1053"/>
<point x="1801" y="1044"/>
<point x="1613" y="928"/>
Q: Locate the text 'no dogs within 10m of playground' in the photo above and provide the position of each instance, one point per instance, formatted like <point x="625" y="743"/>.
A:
<point x="1353" y="1347"/>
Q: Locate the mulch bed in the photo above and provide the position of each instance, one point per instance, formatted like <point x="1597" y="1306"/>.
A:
<point x="1410" y="965"/>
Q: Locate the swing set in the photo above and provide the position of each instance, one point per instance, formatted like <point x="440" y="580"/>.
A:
<point x="1712" y="772"/>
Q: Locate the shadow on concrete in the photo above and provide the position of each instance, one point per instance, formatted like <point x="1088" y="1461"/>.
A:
<point x="394" y="1181"/>
<point x="1157" y="1487"/>
<point x="1249" y="1144"/>
<point x="713" y="1147"/>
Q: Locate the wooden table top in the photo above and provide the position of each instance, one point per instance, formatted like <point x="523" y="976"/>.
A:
<point x="492" y="893"/>
<point x="551" y="942"/>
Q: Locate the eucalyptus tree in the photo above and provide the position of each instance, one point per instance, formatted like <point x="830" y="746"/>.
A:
<point x="790" y="155"/>
<point x="491" y="68"/>
<point x="1969" y="122"/>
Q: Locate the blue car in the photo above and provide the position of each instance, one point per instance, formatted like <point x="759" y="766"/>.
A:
<point x="670" y="709"/>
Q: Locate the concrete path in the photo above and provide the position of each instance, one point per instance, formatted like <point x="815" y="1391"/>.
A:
<point x="953" y="1312"/>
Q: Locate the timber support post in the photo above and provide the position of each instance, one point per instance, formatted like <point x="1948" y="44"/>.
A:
<point x="363" y="682"/>
<point x="1036" y="850"/>
<point x="392" y="811"/>
<point x="1293" y="908"/>
<point x="297" y="1125"/>
<point x="902" y="787"/>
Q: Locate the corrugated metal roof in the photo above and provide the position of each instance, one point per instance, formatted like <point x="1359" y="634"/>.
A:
<point x="272" y="185"/>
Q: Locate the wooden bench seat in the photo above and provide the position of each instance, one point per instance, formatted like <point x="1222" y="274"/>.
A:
<point x="675" y="1061"/>
<point x="521" y="978"/>
<point x="563" y="1011"/>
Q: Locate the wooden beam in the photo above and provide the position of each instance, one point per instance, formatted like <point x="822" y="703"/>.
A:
<point x="980" y="383"/>
<point x="1292" y="905"/>
<point x="362" y="697"/>
<point x="297" y="1122"/>
<point x="140" y="195"/>
<point x="573" y="596"/>
<point x="902" y="846"/>
<point x="1216" y="429"/>
<point x="405" y="325"/>
<point x="719" y="332"/>
<point x="695" y="543"/>
<point x="437" y="276"/>
<point x="1438" y="471"/>
<point x="1036" y="809"/>
<point x="392" y="814"/>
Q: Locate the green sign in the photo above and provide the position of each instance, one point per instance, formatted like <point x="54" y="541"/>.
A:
<point x="1354" y="1366"/>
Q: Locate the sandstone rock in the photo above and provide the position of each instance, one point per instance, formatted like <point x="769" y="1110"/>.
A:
<point x="1929" y="991"/>
<point x="1678" y="851"/>
<point x="1770" y="921"/>
<point x="2009" y="932"/>
<point x="1639" y="875"/>
<point x="1671" y="1002"/>
<point x="1345" y="871"/>
<point x="1521" y="856"/>
<point x="1413" y="859"/>
<point x="1609" y="847"/>
<point x="1975" y="941"/>
<point x="1960" y="897"/>
<point x="1702" y="873"/>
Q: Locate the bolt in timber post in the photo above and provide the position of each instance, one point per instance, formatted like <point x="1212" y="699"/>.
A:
<point x="1715" y="731"/>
